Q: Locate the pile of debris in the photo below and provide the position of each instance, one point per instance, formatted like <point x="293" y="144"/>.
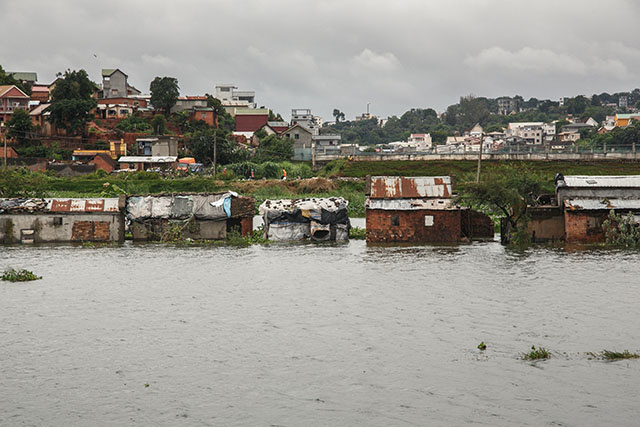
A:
<point x="319" y="219"/>
<point x="24" y="205"/>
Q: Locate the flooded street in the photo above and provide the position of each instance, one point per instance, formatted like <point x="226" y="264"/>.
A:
<point x="338" y="335"/>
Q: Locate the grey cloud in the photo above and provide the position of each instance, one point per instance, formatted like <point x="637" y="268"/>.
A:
<point x="327" y="54"/>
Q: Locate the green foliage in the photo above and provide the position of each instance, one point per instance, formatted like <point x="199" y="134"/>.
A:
<point x="37" y="149"/>
<point x="617" y="355"/>
<point x="12" y="275"/>
<point x="225" y="121"/>
<point x="507" y="190"/>
<point x="134" y="123"/>
<point x="274" y="148"/>
<point x="537" y="353"/>
<point x="159" y="124"/>
<point x="7" y="79"/>
<point x="164" y="93"/>
<point x="234" y="238"/>
<point x="72" y="100"/>
<point x="621" y="230"/>
<point x="357" y="233"/>
<point x="200" y="145"/>
<point x="482" y="346"/>
<point x="19" y="126"/>
<point x="618" y="137"/>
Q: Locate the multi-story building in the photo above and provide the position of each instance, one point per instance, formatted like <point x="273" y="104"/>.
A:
<point x="303" y="117"/>
<point x="115" y="85"/>
<point x="534" y="133"/>
<point x="227" y="93"/>
<point x="508" y="105"/>
<point x="12" y="99"/>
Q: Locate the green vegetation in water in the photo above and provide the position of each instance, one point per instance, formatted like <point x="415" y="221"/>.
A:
<point x="357" y="233"/>
<point x="234" y="238"/>
<point x="537" y="353"/>
<point x="12" y="275"/>
<point x="482" y="346"/>
<point x="615" y="355"/>
<point x="621" y="230"/>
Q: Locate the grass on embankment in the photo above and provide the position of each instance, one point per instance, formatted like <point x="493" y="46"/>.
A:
<point x="460" y="168"/>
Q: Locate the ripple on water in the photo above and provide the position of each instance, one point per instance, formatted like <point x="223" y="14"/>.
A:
<point x="340" y="334"/>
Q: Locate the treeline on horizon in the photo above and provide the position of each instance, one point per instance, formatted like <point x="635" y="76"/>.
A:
<point x="462" y="116"/>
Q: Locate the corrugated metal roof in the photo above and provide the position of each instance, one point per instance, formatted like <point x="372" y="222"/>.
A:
<point x="601" y="204"/>
<point x="147" y="159"/>
<point x="621" y="181"/>
<point x="22" y="75"/>
<point x="410" y="204"/>
<point x="109" y="205"/>
<point x="399" y="187"/>
<point x="82" y="205"/>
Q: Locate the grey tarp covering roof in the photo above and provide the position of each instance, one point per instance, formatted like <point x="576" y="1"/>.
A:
<point x="206" y="206"/>
<point x="316" y="218"/>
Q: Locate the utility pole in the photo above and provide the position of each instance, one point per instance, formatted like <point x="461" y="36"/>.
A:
<point x="479" y="160"/>
<point x="5" y="144"/>
<point x="215" y="153"/>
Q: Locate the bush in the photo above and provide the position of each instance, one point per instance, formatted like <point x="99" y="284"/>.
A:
<point x="12" y="275"/>
<point x="621" y="230"/>
<point x="537" y="353"/>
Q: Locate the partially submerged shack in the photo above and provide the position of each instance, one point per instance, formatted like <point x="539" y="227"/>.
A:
<point x="420" y="210"/>
<point x="318" y="219"/>
<point x="581" y="204"/>
<point x="30" y="220"/>
<point x="194" y="216"/>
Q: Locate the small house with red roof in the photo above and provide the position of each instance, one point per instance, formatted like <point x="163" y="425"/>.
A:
<point x="11" y="99"/>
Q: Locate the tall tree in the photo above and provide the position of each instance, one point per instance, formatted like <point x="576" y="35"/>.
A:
<point x="20" y="126"/>
<point x="8" y="79"/>
<point x="72" y="100"/>
<point x="225" y="121"/>
<point x="164" y="93"/>
<point x="274" y="148"/>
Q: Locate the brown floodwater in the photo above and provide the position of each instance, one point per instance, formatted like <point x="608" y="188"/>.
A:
<point x="317" y="335"/>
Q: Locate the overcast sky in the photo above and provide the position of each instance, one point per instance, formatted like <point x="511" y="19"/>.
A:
<point x="326" y="54"/>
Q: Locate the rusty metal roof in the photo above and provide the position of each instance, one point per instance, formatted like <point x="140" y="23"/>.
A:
<point x="83" y="205"/>
<point x="619" y="181"/>
<point x="410" y="204"/>
<point x="109" y="205"/>
<point x="601" y="204"/>
<point x="420" y="187"/>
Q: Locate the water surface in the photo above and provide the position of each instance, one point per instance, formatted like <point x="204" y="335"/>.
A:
<point x="304" y="334"/>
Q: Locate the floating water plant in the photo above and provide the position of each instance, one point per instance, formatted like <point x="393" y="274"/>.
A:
<point x="12" y="275"/>
<point x="617" y="355"/>
<point x="537" y="353"/>
<point x="357" y="233"/>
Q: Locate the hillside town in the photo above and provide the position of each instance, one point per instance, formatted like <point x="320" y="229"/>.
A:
<point x="120" y="128"/>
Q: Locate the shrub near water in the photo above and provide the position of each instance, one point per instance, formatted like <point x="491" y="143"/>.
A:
<point x="537" y="353"/>
<point x="12" y="275"/>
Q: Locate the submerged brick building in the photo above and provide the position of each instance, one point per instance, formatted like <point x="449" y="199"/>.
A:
<point x="577" y="211"/>
<point x="420" y="210"/>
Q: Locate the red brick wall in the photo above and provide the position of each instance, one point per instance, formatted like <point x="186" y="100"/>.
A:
<point x="250" y="123"/>
<point x="584" y="227"/>
<point x="102" y="164"/>
<point x="446" y="226"/>
<point x="90" y="231"/>
<point x="208" y="117"/>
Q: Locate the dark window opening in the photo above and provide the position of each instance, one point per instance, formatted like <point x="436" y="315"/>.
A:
<point x="57" y="220"/>
<point x="395" y="221"/>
